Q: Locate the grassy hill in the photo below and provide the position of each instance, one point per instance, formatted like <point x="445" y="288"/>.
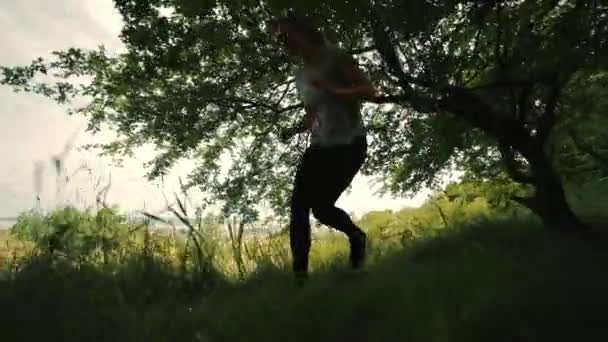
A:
<point x="487" y="281"/>
<point x="460" y="273"/>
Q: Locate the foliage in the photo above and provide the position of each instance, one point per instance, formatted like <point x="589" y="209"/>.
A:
<point x="30" y="226"/>
<point x="72" y="231"/>
<point x="472" y="85"/>
<point x="581" y="147"/>
<point x="458" y="203"/>
<point x="496" y="191"/>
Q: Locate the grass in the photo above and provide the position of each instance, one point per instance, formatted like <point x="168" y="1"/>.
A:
<point x="10" y="248"/>
<point x="500" y="280"/>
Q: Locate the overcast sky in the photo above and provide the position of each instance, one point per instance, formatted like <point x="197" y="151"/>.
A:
<point x="34" y="129"/>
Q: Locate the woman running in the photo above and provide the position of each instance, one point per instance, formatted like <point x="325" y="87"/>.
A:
<point x="332" y="88"/>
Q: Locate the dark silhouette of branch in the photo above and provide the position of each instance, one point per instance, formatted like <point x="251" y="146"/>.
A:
<point x="284" y="94"/>
<point x="512" y="166"/>
<point x="389" y="99"/>
<point x="362" y="50"/>
<point x="521" y="112"/>
<point x="460" y="101"/>
<point x="548" y="120"/>
<point x="512" y="83"/>
<point x="498" y="51"/>
<point x="385" y="46"/>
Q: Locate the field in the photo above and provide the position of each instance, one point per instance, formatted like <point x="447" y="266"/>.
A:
<point x="499" y="107"/>
<point x="490" y="278"/>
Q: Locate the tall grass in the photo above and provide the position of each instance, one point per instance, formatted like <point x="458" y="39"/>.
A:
<point x="442" y="272"/>
<point x="498" y="280"/>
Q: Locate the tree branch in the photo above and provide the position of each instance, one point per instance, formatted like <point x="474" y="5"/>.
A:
<point x="548" y="120"/>
<point x="522" y="103"/>
<point x="362" y="50"/>
<point x="390" y="99"/>
<point x="457" y="100"/>
<point x="512" y="166"/>
<point x="505" y="82"/>
<point x="385" y="46"/>
<point x="298" y="105"/>
<point x="473" y="109"/>
<point x="255" y="104"/>
<point x="497" y="48"/>
<point x="284" y="94"/>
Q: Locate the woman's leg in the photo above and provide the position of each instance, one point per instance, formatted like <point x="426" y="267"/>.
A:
<point x="299" y="226"/>
<point x="340" y="165"/>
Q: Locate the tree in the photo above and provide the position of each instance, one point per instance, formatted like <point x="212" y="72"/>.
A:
<point x="476" y="85"/>
<point x="583" y="154"/>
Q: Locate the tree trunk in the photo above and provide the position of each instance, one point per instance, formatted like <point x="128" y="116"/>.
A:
<point x="549" y="201"/>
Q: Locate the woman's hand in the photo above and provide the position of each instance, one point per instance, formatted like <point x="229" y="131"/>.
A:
<point x="307" y="124"/>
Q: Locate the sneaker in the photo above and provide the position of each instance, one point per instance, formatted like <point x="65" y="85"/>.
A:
<point x="358" y="246"/>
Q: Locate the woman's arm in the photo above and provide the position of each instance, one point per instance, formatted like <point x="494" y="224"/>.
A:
<point x="360" y="85"/>
<point x="305" y="125"/>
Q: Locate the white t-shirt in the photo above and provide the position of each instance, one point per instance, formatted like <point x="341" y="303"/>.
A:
<point x="339" y="119"/>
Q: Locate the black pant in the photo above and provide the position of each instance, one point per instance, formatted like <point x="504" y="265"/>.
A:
<point x="322" y="175"/>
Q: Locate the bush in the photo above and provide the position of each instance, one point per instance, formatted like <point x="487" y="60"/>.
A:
<point x="76" y="233"/>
